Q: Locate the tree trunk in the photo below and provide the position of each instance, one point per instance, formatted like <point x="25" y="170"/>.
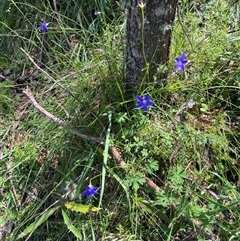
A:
<point x="149" y="31"/>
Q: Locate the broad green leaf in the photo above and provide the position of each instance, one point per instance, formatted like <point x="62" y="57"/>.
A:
<point x="33" y="226"/>
<point x="78" y="207"/>
<point x="204" y="107"/>
<point x="72" y="228"/>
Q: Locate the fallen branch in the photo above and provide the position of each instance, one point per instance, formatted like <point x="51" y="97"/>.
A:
<point x="42" y="70"/>
<point x="97" y="140"/>
<point x="47" y="74"/>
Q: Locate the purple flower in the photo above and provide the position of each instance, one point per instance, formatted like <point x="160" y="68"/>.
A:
<point x="144" y="102"/>
<point x="180" y="62"/>
<point x="96" y="12"/>
<point x="43" y="26"/>
<point x="90" y="191"/>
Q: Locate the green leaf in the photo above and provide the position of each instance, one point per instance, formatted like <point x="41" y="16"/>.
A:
<point x="151" y="165"/>
<point x="78" y="207"/>
<point x="204" y="107"/>
<point x="135" y="180"/>
<point x="177" y="175"/>
<point x="105" y="159"/>
<point x="33" y="226"/>
<point x="72" y="228"/>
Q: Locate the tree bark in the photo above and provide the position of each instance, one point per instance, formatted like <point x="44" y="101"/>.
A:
<point x="149" y="29"/>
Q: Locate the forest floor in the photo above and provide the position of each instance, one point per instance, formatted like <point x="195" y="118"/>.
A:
<point x="79" y="161"/>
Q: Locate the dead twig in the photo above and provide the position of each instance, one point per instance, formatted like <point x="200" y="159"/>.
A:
<point x="38" y="68"/>
<point x="97" y="140"/>
<point x="42" y="70"/>
<point x="47" y="74"/>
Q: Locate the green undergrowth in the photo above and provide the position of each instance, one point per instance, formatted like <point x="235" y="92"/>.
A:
<point x="187" y="143"/>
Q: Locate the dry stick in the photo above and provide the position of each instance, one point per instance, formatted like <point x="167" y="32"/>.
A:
<point x="47" y="74"/>
<point x="97" y="140"/>
<point x="58" y="121"/>
<point x="56" y="82"/>
<point x="39" y="68"/>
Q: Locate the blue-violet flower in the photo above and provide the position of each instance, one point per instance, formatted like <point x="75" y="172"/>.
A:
<point x="90" y="191"/>
<point x="96" y="12"/>
<point x="180" y="62"/>
<point x="144" y="102"/>
<point x="44" y="26"/>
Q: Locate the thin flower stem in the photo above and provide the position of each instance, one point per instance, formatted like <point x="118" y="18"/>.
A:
<point x="48" y="75"/>
<point x="142" y="32"/>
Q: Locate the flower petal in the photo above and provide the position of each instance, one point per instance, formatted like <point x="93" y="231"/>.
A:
<point x="43" y="26"/>
<point x="180" y="62"/>
<point x="90" y="191"/>
<point x="147" y="97"/>
<point x="144" y="102"/>
<point x="139" y="98"/>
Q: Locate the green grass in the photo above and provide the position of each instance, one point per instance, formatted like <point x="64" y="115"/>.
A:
<point x="193" y="156"/>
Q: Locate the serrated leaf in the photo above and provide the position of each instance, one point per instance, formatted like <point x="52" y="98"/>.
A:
<point x="33" y="226"/>
<point x="78" y="207"/>
<point x="72" y="228"/>
<point x="151" y="166"/>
